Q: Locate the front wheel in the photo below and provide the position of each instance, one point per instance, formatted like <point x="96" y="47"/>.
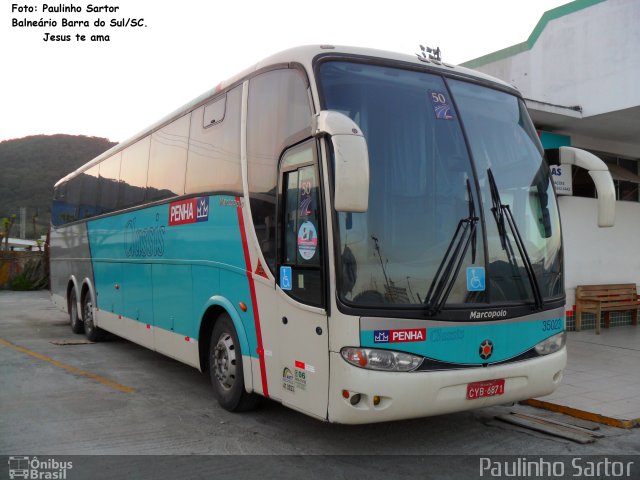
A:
<point x="226" y="369"/>
<point x="92" y="332"/>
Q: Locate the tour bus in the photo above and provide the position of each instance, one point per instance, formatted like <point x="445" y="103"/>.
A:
<point x="360" y="235"/>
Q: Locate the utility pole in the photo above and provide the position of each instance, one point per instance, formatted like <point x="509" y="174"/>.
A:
<point x="34" y="217"/>
<point x="23" y="222"/>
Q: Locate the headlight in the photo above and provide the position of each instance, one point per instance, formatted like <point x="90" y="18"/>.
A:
<point x="551" y="344"/>
<point x="385" y="360"/>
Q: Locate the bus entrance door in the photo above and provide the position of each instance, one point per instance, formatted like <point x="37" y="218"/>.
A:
<point x="304" y="357"/>
<point x="303" y="339"/>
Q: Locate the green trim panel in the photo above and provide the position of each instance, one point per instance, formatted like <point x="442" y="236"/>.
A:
<point x="553" y="140"/>
<point x="549" y="15"/>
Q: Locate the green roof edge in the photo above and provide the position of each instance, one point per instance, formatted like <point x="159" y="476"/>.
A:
<point x="549" y="15"/>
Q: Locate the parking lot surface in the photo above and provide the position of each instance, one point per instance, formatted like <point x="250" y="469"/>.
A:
<point x="117" y="398"/>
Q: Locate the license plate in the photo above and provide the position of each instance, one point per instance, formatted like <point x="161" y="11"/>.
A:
<point x="489" y="388"/>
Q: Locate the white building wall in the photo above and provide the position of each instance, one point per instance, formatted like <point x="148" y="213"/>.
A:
<point x="595" y="255"/>
<point x="631" y="150"/>
<point x="589" y="58"/>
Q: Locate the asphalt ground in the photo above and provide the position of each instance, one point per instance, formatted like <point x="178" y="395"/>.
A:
<point x="117" y="398"/>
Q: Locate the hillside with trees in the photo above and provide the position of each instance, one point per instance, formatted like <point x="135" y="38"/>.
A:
<point x="30" y="166"/>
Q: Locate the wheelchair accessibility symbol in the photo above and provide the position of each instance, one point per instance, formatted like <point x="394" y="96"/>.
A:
<point x="475" y="279"/>
<point x="285" y="278"/>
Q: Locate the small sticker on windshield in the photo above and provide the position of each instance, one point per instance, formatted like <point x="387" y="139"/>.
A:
<point x="440" y="105"/>
<point x="475" y="279"/>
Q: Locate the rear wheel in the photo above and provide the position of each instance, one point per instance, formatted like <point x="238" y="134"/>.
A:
<point x="226" y="369"/>
<point x="76" y="323"/>
<point x="92" y="332"/>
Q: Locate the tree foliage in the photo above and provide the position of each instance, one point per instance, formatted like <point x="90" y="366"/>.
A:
<point x="30" y="166"/>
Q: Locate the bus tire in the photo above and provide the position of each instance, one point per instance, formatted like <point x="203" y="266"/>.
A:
<point x="77" y="326"/>
<point x="226" y="369"/>
<point x="93" y="333"/>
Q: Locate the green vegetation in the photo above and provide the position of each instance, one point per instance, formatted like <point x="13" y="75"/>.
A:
<point x="5" y="234"/>
<point x="33" y="277"/>
<point x="30" y="166"/>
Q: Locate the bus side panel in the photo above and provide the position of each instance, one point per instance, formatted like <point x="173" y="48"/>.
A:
<point x="109" y="298"/>
<point x="137" y="301"/>
<point x="70" y="257"/>
<point x="168" y="261"/>
<point x="174" y="322"/>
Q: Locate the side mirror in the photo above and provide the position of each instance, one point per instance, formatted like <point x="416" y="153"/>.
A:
<point x="351" y="193"/>
<point x="600" y="175"/>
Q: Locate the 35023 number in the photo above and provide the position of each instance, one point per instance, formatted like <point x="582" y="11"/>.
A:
<point x="550" y="325"/>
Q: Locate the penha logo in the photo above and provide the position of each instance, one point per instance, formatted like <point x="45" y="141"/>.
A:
<point x="192" y="210"/>
<point x="400" y="336"/>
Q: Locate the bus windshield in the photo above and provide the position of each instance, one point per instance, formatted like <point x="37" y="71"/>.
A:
<point x="443" y="152"/>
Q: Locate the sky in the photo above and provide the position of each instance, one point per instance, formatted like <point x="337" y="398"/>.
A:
<point x="116" y="89"/>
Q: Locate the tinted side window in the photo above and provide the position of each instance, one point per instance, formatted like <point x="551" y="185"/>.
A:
<point x="88" y="206"/>
<point x="214" y="146"/>
<point x="133" y="173"/>
<point x="74" y="189"/>
<point x="168" y="160"/>
<point x="278" y="109"/>
<point x="61" y="211"/>
<point x="109" y="181"/>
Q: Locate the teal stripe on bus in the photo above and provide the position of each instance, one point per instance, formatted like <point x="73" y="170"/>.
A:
<point x="461" y="344"/>
<point x="167" y="272"/>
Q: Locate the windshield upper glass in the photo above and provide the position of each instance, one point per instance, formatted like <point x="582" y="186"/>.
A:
<point x="423" y="187"/>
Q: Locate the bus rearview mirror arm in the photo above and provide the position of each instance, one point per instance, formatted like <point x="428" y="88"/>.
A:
<point x="600" y="175"/>
<point x="351" y="160"/>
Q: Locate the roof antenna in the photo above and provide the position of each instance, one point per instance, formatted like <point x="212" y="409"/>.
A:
<point x="430" y="53"/>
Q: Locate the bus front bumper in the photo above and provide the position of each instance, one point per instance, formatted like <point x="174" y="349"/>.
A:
<point x="423" y="393"/>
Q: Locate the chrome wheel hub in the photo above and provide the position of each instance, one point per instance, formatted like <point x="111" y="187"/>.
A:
<point x="224" y="361"/>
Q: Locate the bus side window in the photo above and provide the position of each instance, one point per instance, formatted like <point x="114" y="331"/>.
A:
<point x="279" y="114"/>
<point x="133" y="174"/>
<point x="301" y="246"/>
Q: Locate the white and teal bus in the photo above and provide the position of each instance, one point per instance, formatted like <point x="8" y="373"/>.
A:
<point x="360" y="235"/>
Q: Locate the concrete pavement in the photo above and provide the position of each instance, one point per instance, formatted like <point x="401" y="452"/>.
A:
<point x="602" y="380"/>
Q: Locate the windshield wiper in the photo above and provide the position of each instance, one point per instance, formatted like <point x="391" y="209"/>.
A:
<point x="450" y="265"/>
<point x="500" y="213"/>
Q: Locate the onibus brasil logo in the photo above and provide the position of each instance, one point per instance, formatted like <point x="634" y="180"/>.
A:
<point x="34" y="468"/>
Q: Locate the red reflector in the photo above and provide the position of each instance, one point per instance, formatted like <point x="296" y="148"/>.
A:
<point x="345" y="393"/>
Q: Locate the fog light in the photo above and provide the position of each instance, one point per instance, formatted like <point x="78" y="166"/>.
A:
<point x="376" y="400"/>
<point x="345" y="393"/>
<point x="355" y="399"/>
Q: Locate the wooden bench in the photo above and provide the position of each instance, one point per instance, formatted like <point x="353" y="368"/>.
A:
<point x="606" y="298"/>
